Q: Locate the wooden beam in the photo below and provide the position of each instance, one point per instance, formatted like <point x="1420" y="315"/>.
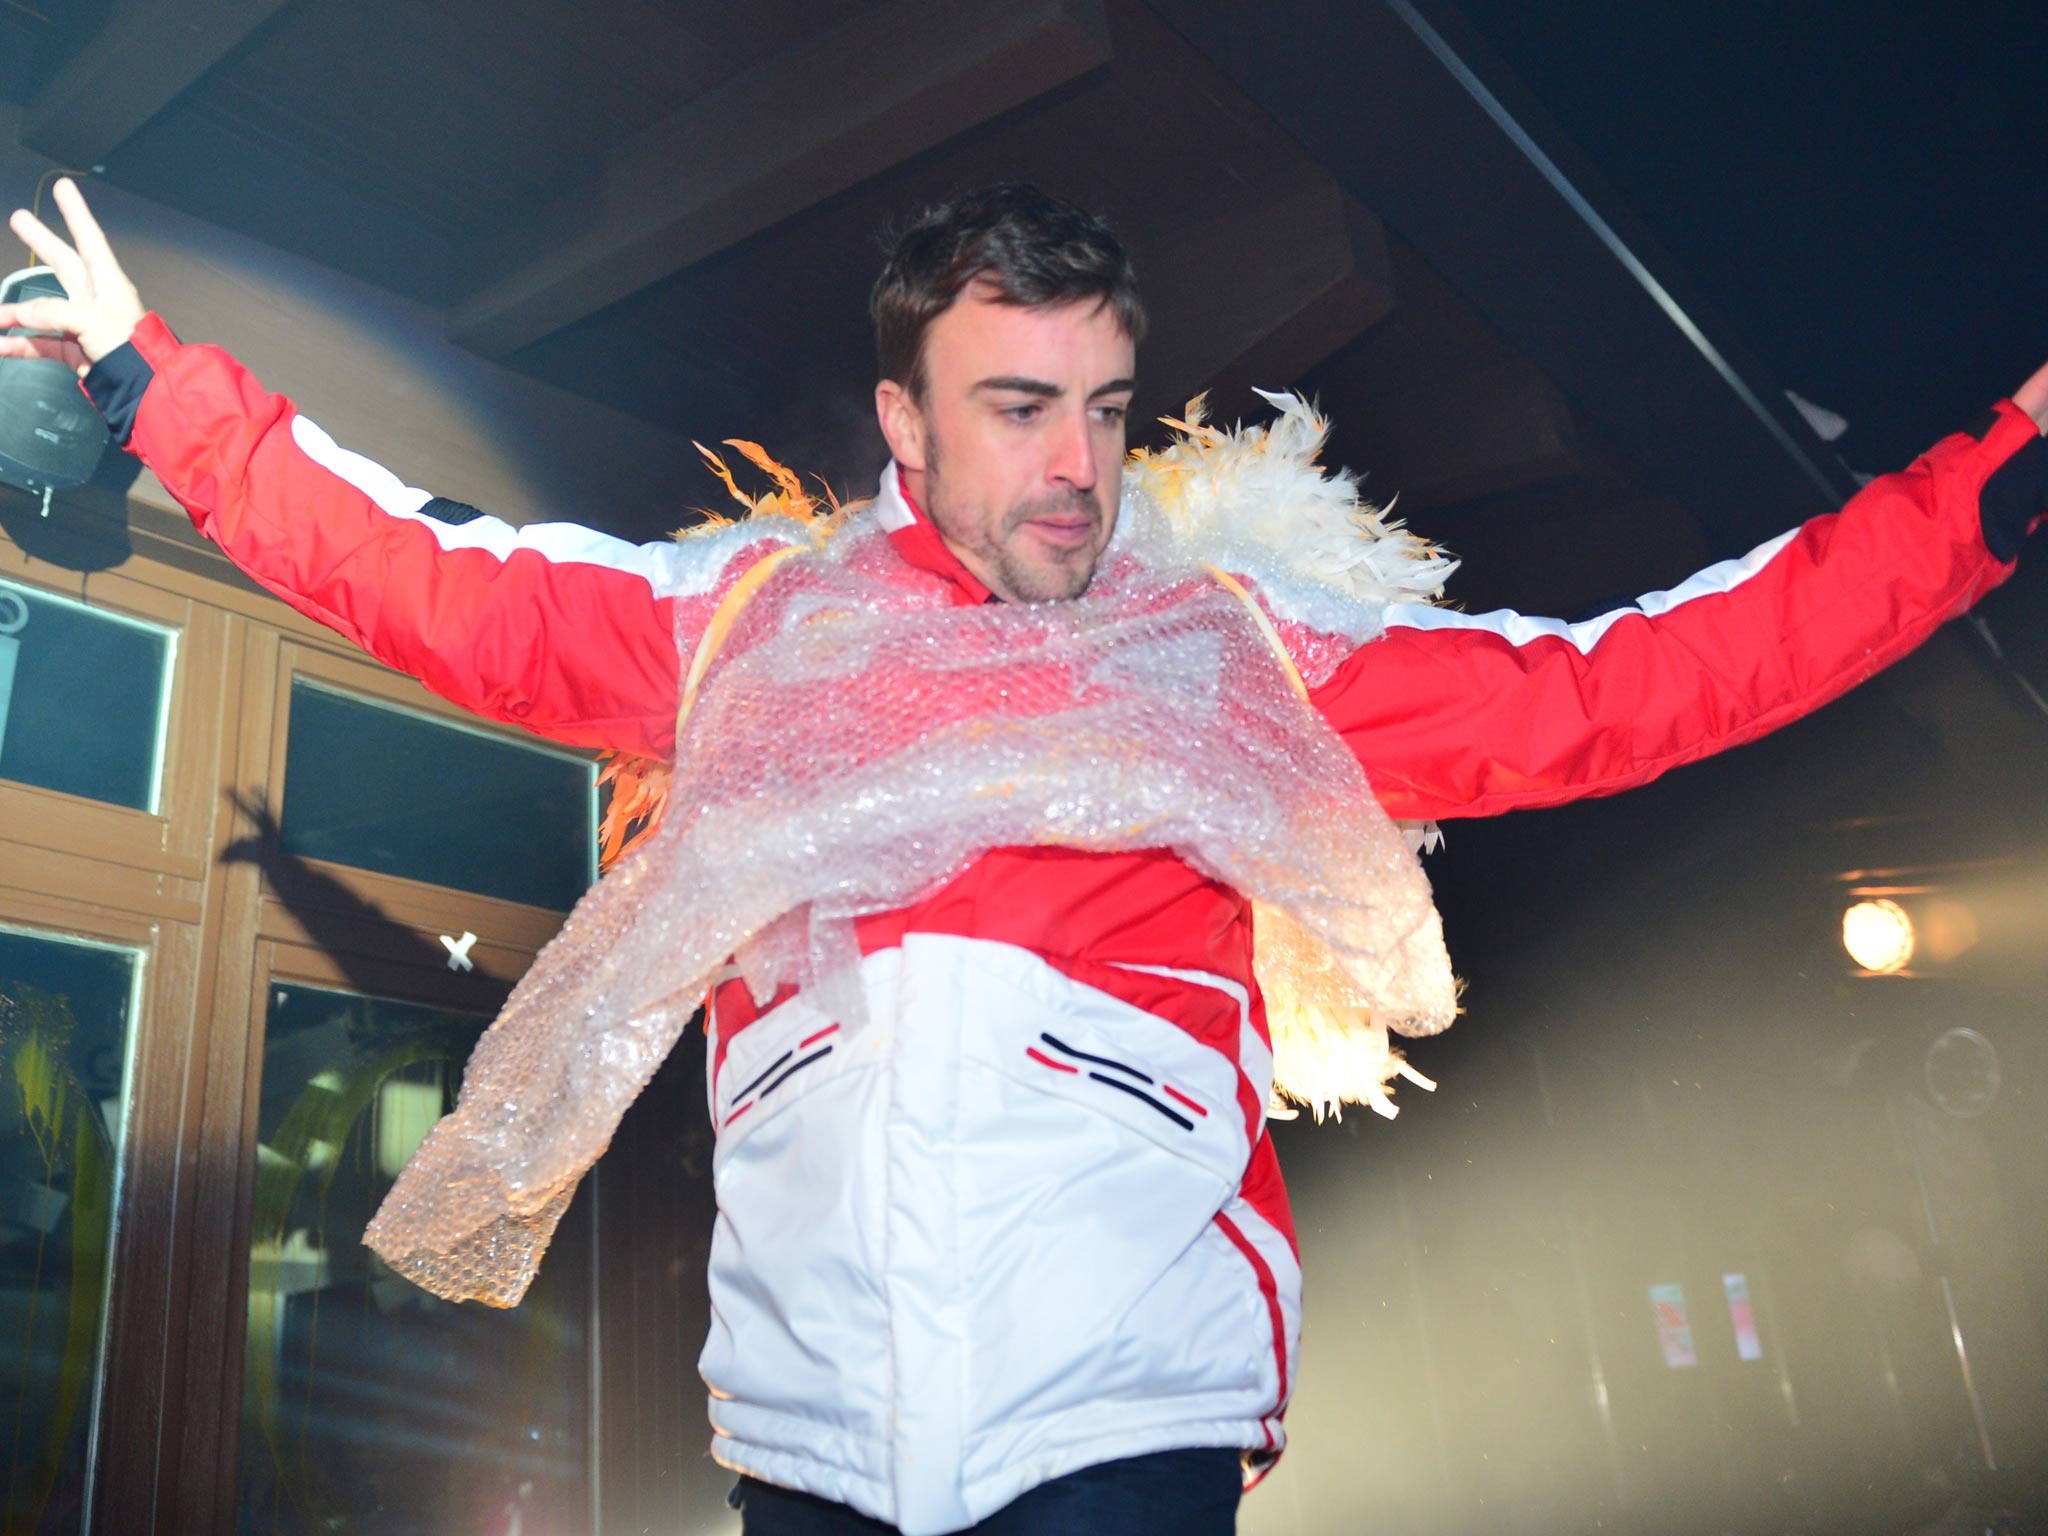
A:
<point x="1437" y="438"/>
<point x="803" y="126"/>
<point x="1242" y="285"/>
<point x="1353" y="303"/>
<point x="1488" y="431"/>
<point x="148" y="54"/>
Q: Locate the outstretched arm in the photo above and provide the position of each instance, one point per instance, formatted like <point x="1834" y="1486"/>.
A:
<point x="553" y="627"/>
<point x="1458" y="714"/>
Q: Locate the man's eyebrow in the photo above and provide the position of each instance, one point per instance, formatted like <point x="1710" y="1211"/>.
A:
<point x="1017" y="384"/>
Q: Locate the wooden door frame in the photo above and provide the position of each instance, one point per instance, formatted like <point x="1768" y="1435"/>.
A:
<point x="214" y="933"/>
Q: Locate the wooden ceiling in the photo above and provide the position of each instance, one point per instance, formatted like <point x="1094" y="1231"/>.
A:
<point x="677" y="206"/>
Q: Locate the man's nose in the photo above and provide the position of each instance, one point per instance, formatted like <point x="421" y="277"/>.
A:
<point x="1073" y="460"/>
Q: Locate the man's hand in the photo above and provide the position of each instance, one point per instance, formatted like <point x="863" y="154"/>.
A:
<point x="100" y="307"/>
<point x="2032" y="397"/>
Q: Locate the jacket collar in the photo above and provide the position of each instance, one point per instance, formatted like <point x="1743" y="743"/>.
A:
<point x="918" y="542"/>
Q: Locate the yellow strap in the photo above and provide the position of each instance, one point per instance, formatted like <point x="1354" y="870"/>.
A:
<point x="1236" y="589"/>
<point x="722" y="621"/>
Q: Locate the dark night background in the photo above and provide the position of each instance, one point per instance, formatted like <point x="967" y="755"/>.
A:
<point x="1856" y="190"/>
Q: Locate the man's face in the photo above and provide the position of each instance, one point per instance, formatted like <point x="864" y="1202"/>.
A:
<point x="1016" y="450"/>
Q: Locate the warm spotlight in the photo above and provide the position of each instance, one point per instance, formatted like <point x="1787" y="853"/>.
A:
<point x="1878" y="935"/>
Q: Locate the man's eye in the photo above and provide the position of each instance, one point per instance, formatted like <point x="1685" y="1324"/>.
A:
<point x="1111" y="415"/>
<point x="1023" y="413"/>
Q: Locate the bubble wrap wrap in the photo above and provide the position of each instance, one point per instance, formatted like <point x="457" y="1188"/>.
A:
<point x="856" y="743"/>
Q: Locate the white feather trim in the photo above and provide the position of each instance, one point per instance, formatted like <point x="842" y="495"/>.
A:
<point x="1328" y="1050"/>
<point x="1254" y="500"/>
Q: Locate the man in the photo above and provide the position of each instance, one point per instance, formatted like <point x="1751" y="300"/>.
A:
<point x="984" y="1273"/>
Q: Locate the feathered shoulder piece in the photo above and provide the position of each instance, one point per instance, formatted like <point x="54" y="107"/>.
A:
<point x="786" y="498"/>
<point x="1254" y="500"/>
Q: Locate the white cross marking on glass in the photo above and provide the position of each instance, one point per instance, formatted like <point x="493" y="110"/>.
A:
<point x="458" y="951"/>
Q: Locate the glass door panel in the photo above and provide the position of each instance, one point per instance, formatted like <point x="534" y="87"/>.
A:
<point x="369" y="1405"/>
<point x="84" y="698"/>
<point x="397" y="792"/>
<point x="66" y="1011"/>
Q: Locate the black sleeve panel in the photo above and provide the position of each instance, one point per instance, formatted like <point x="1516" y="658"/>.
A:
<point x="115" y="384"/>
<point x="453" y="513"/>
<point x="2014" y="498"/>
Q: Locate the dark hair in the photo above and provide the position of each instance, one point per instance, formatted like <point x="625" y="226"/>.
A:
<point x="1031" y="248"/>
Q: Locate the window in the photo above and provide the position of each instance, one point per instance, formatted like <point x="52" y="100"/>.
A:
<point x="383" y="789"/>
<point x="369" y="1405"/>
<point x="67" y="1008"/>
<point x="84" y="698"/>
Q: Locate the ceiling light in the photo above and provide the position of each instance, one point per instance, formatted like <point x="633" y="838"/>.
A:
<point x="1878" y="935"/>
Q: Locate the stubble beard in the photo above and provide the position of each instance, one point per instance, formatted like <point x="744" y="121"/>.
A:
<point x="1019" y="579"/>
<point x="1047" y="580"/>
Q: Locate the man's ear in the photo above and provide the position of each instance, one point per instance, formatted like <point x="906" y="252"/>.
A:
<point x="903" y="426"/>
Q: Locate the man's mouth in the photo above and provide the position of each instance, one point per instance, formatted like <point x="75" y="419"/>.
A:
<point x="1061" y="524"/>
<point x="1064" y="530"/>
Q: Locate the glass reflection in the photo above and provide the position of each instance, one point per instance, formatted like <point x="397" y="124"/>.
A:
<point x="369" y="1405"/>
<point x="384" y="789"/>
<point x="84" y="696"/>
<point x="65" y="1011"/>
